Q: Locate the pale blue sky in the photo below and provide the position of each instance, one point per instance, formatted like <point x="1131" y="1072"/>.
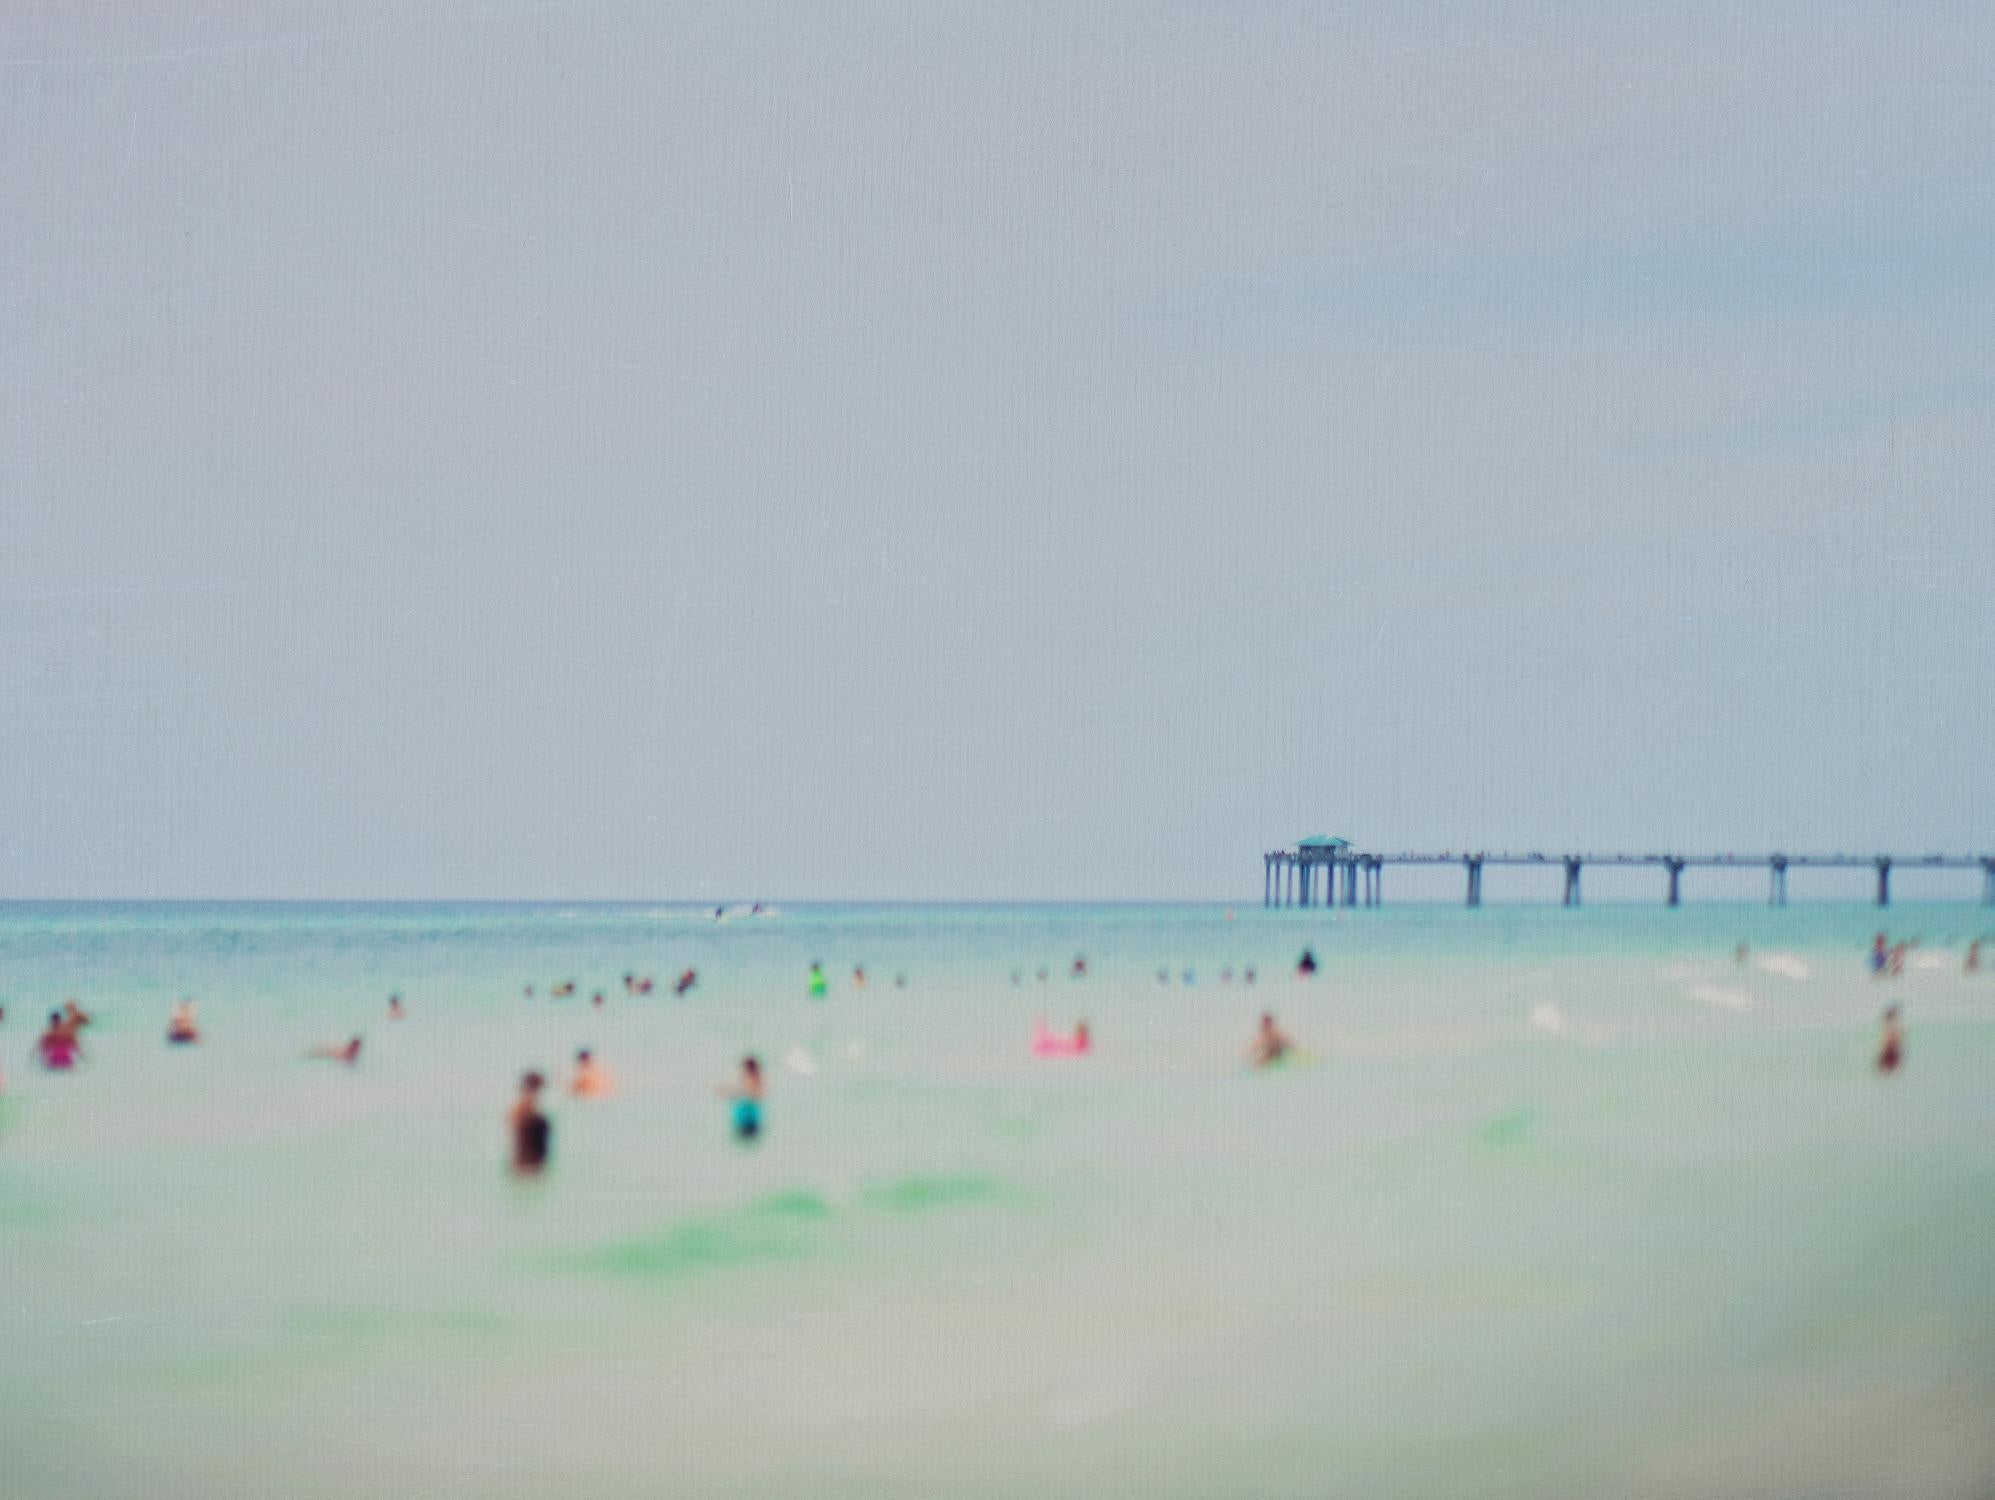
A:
<point x="1044" y="450"/>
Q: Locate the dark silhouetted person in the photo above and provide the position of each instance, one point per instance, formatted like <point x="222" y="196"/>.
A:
<point x="533" y="1137"/>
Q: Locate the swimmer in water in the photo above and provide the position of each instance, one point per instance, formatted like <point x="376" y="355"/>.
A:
<point x="1080" y="970"/>
<point x="395" y="1011"/>
<point x="1739" y="954"/>
<point x="532" y="1135"/>
<point x="58" y="1047"/>
<point x="591" y="1080"/>
<point x="859" y="978"/>
<point x="746" y="1097"/>
<point x="819" y="985"/>
<point x="1249" y="975"/>
<point x="597" y="999"/>
<point x="1973" y="963"/>
<point x="1306" y="965"/>
<point x="183" y="1027"/>
<point x="686" y="981"/>
<point x="1270" y="1045"/>
<point x="1880" y="955"/>
<point x="334" y="1052"/>
<point x="1891" y="1044"/>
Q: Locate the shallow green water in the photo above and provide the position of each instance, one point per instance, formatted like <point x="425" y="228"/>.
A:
<point x="1565" y="1203"/>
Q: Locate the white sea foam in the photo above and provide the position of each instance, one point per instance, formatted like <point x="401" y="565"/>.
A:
<point x="1721" y="995"/>
<point x="1548" y="1017"/>
<point x="1786" y="965"/>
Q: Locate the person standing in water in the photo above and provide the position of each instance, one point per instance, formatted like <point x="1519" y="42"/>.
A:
<point x="395" y="1011"/>
<point x="1891" y="1044"/>
<point x="183" y="1028"/>
<point x="533" y="1137"/>
<point x="1305" y="967"/>
<point x="819" y="985"/>
<point x="591" y="1080"/>
<point x="333" y="1052"/>
<point x="59" y="1047"/>
<point x="1880" y="955"/>
<point x="746" y="1096"/>
<point x="74" y="1019"/>
<point x="1271" y="1044"/>
<point x="1973" y="963"/>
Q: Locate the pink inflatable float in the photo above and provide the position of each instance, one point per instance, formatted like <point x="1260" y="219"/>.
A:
<point x="1046" y="1044"/>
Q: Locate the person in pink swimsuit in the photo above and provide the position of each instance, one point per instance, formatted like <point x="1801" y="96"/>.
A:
<point x="59" y="1047"/>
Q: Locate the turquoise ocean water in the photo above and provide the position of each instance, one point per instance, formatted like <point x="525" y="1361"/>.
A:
<point x="1563" y="1203"/>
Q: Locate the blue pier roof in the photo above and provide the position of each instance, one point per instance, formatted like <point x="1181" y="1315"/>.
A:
<point x="1322" y="841"/>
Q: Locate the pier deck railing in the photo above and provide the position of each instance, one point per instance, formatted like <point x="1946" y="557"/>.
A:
<point x="1307" y="876"/>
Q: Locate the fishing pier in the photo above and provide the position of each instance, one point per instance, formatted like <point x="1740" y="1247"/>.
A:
<point x="1323" y="871"/>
